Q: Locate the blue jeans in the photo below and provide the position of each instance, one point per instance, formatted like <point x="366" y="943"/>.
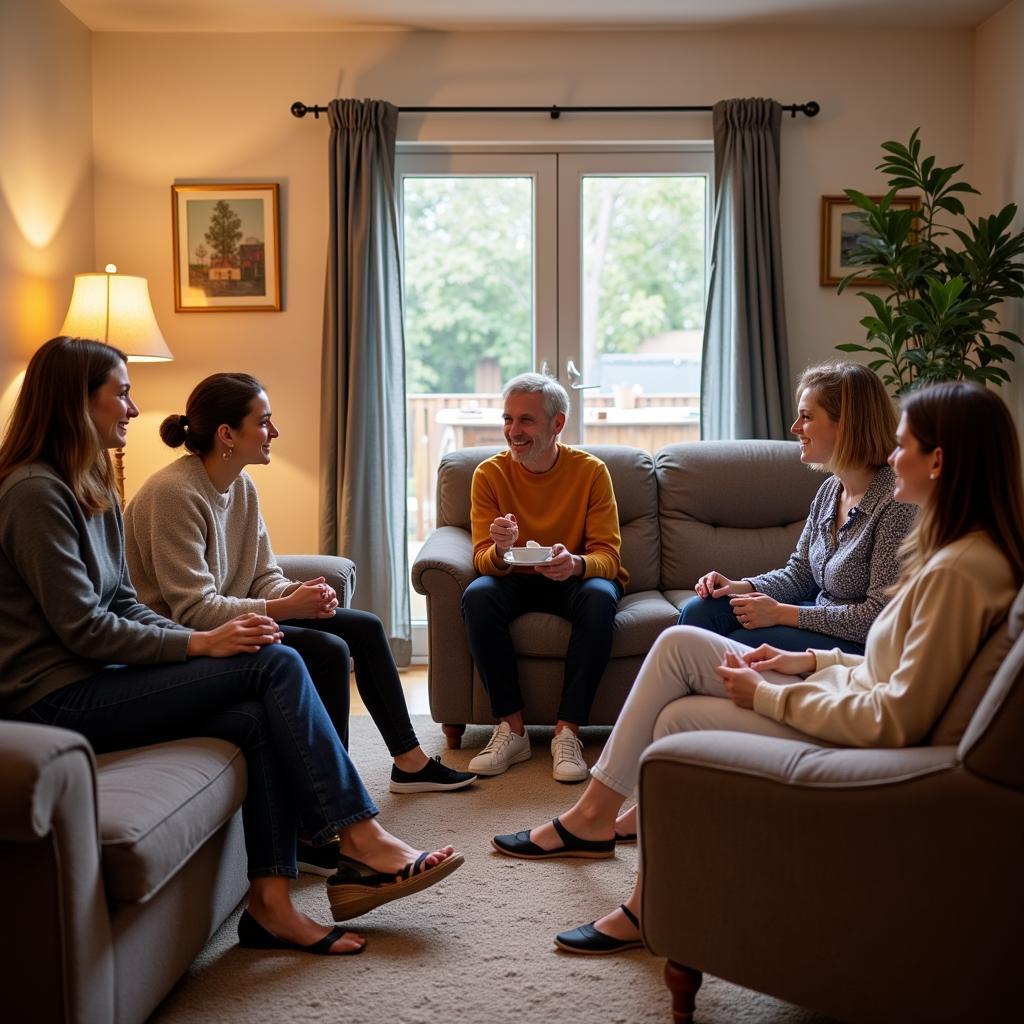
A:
<point x="491" y="603"/>
<point x="326" y="646"/>
<point x="265" y="703"/>
<point x="716" y="614"/>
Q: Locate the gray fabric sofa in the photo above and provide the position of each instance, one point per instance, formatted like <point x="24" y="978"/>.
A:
<point x="735" y="506"/>
<point x="869" y="885"/>
<point x="115" y="870"/>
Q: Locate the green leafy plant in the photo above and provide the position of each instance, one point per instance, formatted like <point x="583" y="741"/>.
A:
<point x="936" y="317"/>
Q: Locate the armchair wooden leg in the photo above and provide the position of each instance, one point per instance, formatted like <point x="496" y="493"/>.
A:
<point x="453" y="733"/>
<point x="683" y="983"/>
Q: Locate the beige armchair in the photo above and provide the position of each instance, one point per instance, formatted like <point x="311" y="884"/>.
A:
<point x="870" y="885"/>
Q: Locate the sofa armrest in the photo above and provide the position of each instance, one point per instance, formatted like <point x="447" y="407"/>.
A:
<point x="800" y="764"/>
<point x="448" y="550"/>
<point x="340" y="572"/>
<point x="61" y="965"/>
<point x="775" y="864"/>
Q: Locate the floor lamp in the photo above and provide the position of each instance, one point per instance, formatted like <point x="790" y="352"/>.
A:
<point x="115" y="308"/>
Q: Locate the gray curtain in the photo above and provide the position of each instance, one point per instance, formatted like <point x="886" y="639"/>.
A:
<point x="362" y="434"/>
<point x="745" y="385"/>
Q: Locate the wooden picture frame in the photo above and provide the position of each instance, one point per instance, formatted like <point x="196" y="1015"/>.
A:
<point x="227" y="251"/>
<point x="839" y="232"/>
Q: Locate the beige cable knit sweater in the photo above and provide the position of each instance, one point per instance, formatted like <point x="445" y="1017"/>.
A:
<point x="196" y="555"/>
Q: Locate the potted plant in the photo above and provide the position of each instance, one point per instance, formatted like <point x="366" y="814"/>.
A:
<point x="936" y="317"/>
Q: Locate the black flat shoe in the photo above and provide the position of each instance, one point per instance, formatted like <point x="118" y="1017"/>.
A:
<point x="252" y="935"/>
<point x="317" y="860"/>
<point x="629" y="837"/>
<point x="518" y="845"/>
<point x="433" y="777"/>
<point x="588" y="941"/>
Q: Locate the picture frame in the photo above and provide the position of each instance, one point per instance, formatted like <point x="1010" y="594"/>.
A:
<point x="839" y="233"/>
<point x="227" y="251"/>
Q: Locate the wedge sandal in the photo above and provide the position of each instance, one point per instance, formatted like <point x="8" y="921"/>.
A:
<point x="356" y="888"/>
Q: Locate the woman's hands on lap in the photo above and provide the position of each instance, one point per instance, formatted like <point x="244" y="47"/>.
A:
<point x="756" y="611"/>
<point x="313" y="599"/>
<point x="245" y="634"/>
<point x="714" y="584"/>
<point x="789" y="663"/>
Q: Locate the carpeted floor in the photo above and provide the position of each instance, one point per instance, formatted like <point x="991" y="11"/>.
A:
<point x="475" y="949"/>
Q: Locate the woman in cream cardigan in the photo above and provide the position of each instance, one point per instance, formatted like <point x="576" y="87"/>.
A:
<point x="957" y="459"/>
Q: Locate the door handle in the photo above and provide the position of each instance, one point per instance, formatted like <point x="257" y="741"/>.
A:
<point x="575" y="376"/>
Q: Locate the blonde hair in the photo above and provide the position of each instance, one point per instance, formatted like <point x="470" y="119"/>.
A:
<point x="979" y="487"/>
<point x="856" y="401"/>
<point x="51" y="421"/>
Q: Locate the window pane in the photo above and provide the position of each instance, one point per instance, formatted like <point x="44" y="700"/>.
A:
<point x="468" y="278"/>
<point x="642" y="307"/>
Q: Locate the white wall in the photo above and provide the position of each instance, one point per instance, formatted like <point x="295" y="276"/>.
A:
<point x="999" y="146"/>
<point x="215" y="107"/>
<point x="46" y="202"/>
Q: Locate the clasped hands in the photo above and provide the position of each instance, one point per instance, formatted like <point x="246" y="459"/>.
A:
<point x="504" y="532"/>
<point x="314" y="599"/>
<point x="741" y="674"/>
<point x="753" y="609"/>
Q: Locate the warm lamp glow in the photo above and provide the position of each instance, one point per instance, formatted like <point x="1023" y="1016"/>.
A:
<point x="115" y="308"/>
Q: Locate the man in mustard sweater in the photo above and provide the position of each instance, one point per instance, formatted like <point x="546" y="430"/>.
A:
<point x="561" y="497"/>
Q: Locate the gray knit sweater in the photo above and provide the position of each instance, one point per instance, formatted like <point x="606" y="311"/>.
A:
<point x="67" y="607"/>
<point x="199" y="556"/>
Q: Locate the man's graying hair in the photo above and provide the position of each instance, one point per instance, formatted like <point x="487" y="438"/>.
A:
<point x="556" y="398"/>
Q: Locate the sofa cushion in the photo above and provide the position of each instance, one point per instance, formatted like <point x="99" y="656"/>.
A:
<point x="738" y="504"/>
<point x="639" y="621"/>
<point x="158" y="805"/>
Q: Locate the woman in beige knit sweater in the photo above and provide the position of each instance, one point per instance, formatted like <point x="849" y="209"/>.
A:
<point x="957" y="458"/>
<point x="199" y="553"/>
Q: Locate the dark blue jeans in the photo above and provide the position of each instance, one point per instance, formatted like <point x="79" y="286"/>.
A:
<point x="716" y="614"/>
<point x="265" y="703"/>
<point x="326" y="646"/>
<point x="491" y="603"/>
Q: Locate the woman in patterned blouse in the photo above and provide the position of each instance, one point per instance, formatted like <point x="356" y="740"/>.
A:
<point x="835" y="582"/>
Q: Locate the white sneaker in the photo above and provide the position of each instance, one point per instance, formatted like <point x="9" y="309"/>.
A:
<point x="504" y="749"/>
<point x="567" y="755"/>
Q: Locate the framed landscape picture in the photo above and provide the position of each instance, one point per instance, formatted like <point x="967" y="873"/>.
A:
<point x="843" y="227"/>
<point x="226" y="248"/>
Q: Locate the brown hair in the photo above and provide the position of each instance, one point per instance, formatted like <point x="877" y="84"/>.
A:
<point x="220" y="398"/>
<point x="857" y="402"/>
<point x="980" y="483"/>
<point x="51" y="421"/>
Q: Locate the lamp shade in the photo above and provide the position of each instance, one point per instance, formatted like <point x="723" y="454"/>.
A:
<point x="115" y="308"/>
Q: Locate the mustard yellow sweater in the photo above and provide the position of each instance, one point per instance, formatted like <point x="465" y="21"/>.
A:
<point x="572" y="504"/>
<point x="917" y="651"/>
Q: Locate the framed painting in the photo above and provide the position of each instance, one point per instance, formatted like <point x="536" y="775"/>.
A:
<point x="843" y="227"/>
<point x="227" y="253"/>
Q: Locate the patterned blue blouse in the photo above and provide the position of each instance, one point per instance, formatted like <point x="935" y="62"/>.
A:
<point x="845" y="578"/>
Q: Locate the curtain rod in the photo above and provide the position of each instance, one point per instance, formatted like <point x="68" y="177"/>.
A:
<point x="811" y="109"/>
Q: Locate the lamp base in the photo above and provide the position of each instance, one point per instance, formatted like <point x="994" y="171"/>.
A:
<point x="119" y="473"/>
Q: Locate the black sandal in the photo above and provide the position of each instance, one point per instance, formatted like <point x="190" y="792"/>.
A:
<point x="357" y="888"/>
<point x="588" y="941"/>
<point x="518" y="845"/>
<point x="252" y="935"/>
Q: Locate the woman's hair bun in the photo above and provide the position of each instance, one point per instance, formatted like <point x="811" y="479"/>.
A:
<point x="174" y="430"/>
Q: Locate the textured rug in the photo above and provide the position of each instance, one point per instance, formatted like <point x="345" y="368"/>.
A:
<point x="476" y="948"/>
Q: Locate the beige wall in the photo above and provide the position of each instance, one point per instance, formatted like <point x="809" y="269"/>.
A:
<point x="999" y="144"/>
<point x="215" y="107"/>
<point x="46" y="202"/>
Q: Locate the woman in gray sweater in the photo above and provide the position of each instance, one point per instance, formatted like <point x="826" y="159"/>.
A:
<point x="79" y="651"/>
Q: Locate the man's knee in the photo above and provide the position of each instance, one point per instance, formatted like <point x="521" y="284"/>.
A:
<point x="596" y="602"/>
<point x="482" y="598"/>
